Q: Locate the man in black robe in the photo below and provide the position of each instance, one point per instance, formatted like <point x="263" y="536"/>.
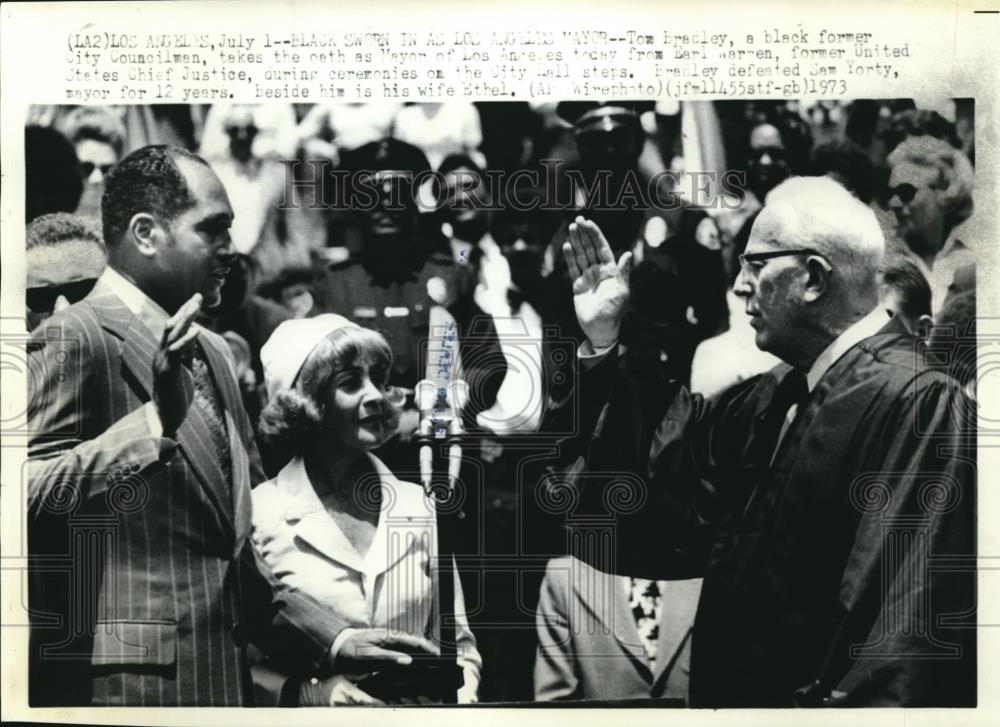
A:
<point x="829" y="503"/>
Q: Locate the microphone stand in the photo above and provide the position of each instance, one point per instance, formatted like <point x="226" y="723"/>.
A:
<point x="440" y="427"/>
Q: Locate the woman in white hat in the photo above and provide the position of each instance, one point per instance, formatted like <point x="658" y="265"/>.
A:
<point x="336" y="523"/>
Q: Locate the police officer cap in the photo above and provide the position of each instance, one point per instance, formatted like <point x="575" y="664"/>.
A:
<point x="592" y="116"/>
<point x="386" y="155"/>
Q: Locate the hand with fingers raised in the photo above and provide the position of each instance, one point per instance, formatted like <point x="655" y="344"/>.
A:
<point x="173" y="384"/>
<point x="600" y="286"/>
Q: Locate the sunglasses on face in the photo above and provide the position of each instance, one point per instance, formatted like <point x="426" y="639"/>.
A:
<point x="776" y="153"/>
<point x="88" y="168"/>
<point x="905" y="192"/>
<point x="43" y="300"/>
<point x="754" y="261"/>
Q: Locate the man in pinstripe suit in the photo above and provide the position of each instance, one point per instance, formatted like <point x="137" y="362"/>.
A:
<point x="144" y="590"/>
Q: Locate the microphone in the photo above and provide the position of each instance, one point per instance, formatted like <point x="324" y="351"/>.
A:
<point x="424" y="396"/>
<point x="440" y="398"/>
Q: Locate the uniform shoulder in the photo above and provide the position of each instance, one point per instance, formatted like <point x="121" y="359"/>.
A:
<point x="440" y="259"/>
<point x="351" y="261"/>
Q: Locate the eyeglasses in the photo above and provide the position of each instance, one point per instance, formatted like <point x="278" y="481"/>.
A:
<point x="754" y="261"/>
<point x="43" y="300"/>
<point x="905" y="192"/>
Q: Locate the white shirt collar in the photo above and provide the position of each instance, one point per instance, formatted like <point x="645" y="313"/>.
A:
<point x="867" y="326"/>
<point x="139" y="304"/>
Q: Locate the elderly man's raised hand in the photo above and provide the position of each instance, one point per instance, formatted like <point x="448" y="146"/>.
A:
<point x="600" y="286"/>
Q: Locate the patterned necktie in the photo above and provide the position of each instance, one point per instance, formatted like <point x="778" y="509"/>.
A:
<point x="644" y="600"/>
<point x="207" y="401"/>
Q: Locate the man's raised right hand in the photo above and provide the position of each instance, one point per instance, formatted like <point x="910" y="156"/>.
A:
<point x="173" y="385"/>
<point x="600" y="287"/>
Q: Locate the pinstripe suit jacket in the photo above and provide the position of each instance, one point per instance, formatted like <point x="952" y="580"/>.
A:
<point x="141" y="572"/>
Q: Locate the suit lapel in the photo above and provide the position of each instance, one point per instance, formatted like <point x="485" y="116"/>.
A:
<point x="138" y="349"/>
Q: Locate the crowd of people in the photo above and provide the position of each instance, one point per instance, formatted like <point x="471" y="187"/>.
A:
<point x="761" y="315"/>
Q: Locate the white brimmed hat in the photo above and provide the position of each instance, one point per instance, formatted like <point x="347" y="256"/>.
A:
<point x="290" y="345"/>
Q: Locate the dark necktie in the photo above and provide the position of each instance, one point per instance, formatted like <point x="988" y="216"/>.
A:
<point x="207" y="401"/>
<point x="792" y="391"/>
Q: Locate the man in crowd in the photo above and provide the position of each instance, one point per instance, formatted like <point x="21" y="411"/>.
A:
<point x="394" y="281"/>
<point x="811" y="498"/>
<point x="906" y="294"/>
<point x="678" y="280"/>
<point x="930" y="193"/>
<point x="144" y="589"/>
<point x="602" y="636"/>
<point x="65" y="255"/>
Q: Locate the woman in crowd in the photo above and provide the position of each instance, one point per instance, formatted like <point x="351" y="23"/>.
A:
<point x="336" y="523"/>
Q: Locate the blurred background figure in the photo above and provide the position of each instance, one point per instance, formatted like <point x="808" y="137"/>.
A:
<point x="244" y="144"/>
<point x="930" y="193"/>
<point x="466" y="221"/>
<point x="98" y="137"/>
<point x="906" y="294"/>
<point x="52" y="173"/>
<point x="602" y="636"/>
<point x="330" y="128"/>
<point x="678" y="293"/>
<point x="392" y="283"/>
<point x="295" y="290"/>
<point x="65" y="257"/>
<point x="439" y="129"/>
<point x="951" y="344"/>
<point x="246" y="320"/>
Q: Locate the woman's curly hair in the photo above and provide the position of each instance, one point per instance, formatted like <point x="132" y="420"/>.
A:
<point x="292" y="420"/>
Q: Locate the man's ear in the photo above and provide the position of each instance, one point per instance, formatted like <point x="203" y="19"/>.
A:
<point x="145" y="233"/>
<point x="924" y="325"/>
<point x="818" y="280"/>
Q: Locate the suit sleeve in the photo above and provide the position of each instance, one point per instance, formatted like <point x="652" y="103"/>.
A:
<point x="66" y="463"/>
<point x="555" y="676"/>
<point x="295" y="631"/>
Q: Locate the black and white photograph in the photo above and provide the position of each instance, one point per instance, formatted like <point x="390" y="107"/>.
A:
<point x="654" y="400"/>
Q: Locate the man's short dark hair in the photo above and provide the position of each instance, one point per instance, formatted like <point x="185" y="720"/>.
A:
<point x="147" y="180"/>
<point x="849" y="161"/>
<point x="58" y="227"/>
<point x="902" y="274"/>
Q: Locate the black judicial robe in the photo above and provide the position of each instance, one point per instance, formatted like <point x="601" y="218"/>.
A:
<point x="841" y="573"/>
